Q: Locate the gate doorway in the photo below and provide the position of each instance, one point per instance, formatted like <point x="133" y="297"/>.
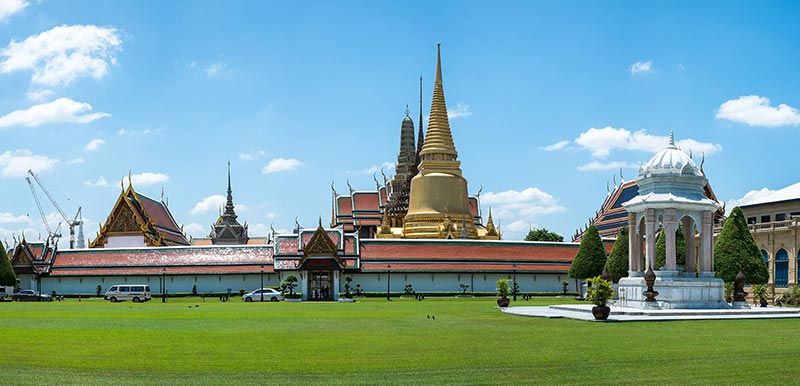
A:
<point x="320" y="286"/>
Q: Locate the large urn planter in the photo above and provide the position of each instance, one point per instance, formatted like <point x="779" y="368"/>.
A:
<point x="503" y="301"/>
<point x="601" y="312"/>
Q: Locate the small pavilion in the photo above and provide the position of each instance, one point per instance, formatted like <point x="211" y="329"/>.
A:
<point x="671" y="192"/>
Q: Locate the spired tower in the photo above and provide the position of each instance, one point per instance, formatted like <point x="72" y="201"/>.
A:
<point x="227" y="230"/>
<point x="438" y="197"/>
<point x="405" y="170"/>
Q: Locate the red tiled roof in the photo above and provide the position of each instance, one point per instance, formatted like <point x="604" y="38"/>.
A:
<point x="156" y="271"/>
<point x="366" y="201"/>
<point x="467" y="250"/>
<point x="473" y="206"/>
<point x="345" y="205"/>
<point x="288" y="245"/>
<point x="470" y="267"/>
<point x="201" y="242"/>
<point x="157" y="257"/>
<point x="349" y="246"/>
<point x="163" y="219"/>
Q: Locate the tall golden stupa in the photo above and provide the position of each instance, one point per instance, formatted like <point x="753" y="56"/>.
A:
<point x="438" y="201"/>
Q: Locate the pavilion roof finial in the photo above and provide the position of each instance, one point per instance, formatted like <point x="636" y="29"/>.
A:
<point x="671" y="138"/>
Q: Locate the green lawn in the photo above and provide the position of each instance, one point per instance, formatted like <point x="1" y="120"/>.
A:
<point x="376" y="342"/>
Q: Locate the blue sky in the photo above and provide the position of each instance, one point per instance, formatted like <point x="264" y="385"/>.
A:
<point x="548" y="100"/>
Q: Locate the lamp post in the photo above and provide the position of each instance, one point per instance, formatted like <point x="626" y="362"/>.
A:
<point x="164" y="287"/>
<point x="388" y="280"/>
<point x="261" y="289"/>
<point x="514" y="285"/>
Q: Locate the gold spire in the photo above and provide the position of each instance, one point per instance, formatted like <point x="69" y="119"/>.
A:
<point x="438" y="145"/>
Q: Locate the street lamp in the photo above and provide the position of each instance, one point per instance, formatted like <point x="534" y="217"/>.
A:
<point x="514" y="287"/>
<point x="261" y="289"/>
<point x="388" y="280"/>
<point x="164" y="287"/>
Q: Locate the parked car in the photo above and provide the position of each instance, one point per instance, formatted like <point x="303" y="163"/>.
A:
<point x="135" y="292"/>
<point x="270" y="295"/>
<point x="30" y="295"/>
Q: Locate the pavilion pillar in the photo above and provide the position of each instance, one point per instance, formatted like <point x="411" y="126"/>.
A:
<point x="650" y="234"/>
<point x="688" y="234"/>
<point x="634" y="245"/>
<point x="706" y="239"/>
<point x="670" y="226"/>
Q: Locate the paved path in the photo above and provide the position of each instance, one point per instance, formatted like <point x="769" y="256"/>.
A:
<point x="624" y="314"/>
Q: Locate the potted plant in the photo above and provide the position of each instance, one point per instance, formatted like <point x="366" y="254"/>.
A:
<point x="759" y="292"/>
<point x="598" y="293"/>
<point x="503" y="291"/>
<point x="728" y="288"/>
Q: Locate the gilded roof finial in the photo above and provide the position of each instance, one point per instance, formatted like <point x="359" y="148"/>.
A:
<point x="349" y="187"/>
<point x="377" y="184"/>
<point x="408" y="112"/>
<point x="333" y="189"/>
<point x="130" y="180"/>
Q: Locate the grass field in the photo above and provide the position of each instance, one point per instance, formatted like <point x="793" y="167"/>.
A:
<point x="374" y="342"/>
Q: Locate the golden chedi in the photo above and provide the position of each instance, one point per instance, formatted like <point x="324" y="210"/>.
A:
<point x="438" y="198"/>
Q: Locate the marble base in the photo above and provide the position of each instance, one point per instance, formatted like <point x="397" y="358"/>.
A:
<point x="675" y="291"/>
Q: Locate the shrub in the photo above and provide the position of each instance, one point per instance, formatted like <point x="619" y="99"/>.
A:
<point x="98" y="290"/>
<point x="564" y="285"/>
<point x="502" y="287"/>
<point x="291" y="283"/>
<point x="347" y="280"/>
<point x="194" y="289"/>
<point x="241" y="291"/>
<point x="599" y="291"/>
<point x="408" y="289"/>
<point x="463" y="288"/>
<point x="759" y="292"/>
<point x="736" y="250"/>
<point x="617" y="263"/>
<point x="7" y="275"/>
<point x="591" y="256"/>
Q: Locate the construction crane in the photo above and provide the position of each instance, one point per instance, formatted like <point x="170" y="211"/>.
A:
<point x="50" y="233"/>
<point x="76" y="221"/>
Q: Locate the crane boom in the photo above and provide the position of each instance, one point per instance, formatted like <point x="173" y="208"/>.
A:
<point x="71" y="223"/>
<point x="39" y="205"/>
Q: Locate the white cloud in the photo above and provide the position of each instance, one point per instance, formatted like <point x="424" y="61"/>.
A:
<point x="59" y="56"/>
<point x="39" y="95"/>
<point x="642" y="68"/>
<point x="595" y="165"/>
<point x="17" y="163"/>
<point x="101" y="182"/>
<point x="94" y="144"/>
<point x="252" y="155"/>
<point x="145" y="179"/>
<point x="272" y="216"/>
<point x="123" y="131"/>
<point x="61" y="110"/>
<point x="10" y="7"/>
<point x="556" y="146"/>
<point x="75" y="161"/>
<point x="521" y="208"/>
<point x="215" y="68"/>
<point x="749" y="197"/>
<point x="209" y="203"/>
<point x="755" y="110"/>
<point x="461" y="110"/>
<point x="194" y="230"/>
<point x="281" y="164"/>
<point x="258" y="230"/>
<point x="375" y="169"/>
<point x="9" y="218"/>
<point x="602" y="141"/>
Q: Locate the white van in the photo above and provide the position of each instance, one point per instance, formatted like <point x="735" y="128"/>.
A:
<point x="6" y="293"/>
<point x="136" y="292"/>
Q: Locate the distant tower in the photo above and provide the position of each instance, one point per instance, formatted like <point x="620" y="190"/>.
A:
<point x="439" y="191"/>
<point x="227" y="230"/>
<point x="404" y="171"/>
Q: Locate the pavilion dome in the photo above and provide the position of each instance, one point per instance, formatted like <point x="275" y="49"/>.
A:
<point x="670" y="161"/>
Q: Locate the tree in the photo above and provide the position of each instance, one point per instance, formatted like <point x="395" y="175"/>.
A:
<point x="617" y="263"/>
<point x="680" y="249"/>
<point x="291" y="283"/>
<point x="543" y="235"/>
<point x="591" y="256"/>
<point x="736" y="250"/>
<point x="7" y="275"/>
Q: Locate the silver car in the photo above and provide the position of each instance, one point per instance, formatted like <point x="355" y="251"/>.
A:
<point x="269" y="295"/>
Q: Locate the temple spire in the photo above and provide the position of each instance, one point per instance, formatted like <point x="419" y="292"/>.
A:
<point x="438" y="145"/>
<point x="421" y="135"/>
<point x="671" y="139"/>
<point x="229" y="202"/>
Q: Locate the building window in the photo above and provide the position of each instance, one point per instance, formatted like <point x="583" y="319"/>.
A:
<point x="782" y="268"/>
<point x="751" y="220"/>
<point x="765" y="218"/>
<point x="780" y="217"/>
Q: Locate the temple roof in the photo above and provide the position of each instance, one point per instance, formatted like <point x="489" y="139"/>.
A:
<point x="136" y="213"/>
